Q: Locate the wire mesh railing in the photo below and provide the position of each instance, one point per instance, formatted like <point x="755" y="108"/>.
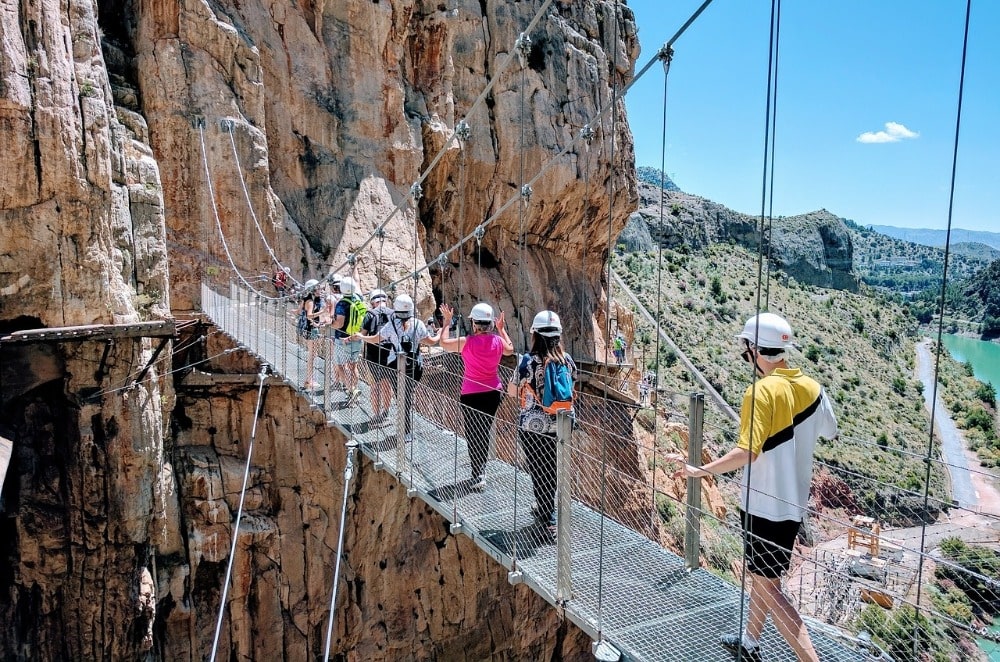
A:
<point x="879" y="572"/>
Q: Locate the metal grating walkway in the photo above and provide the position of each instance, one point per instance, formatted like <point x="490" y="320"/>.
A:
<point x="626" y="589"/>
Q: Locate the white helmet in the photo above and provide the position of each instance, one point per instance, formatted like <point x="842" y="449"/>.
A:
<point x="767" y="330"/>
<point x="335" y="279"/>
<point x="378" y="295"/>
<point x="546" y="323"/>
<point x="481" y="312"/>
<point x="347" y="285"/>
<point x="403" y="306"/>
<point x="312" y="282"/>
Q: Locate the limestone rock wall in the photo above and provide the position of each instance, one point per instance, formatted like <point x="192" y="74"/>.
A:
<point x="208" y="135"/>
<point x="814" y="248"/>
<point x="81" y="242"/>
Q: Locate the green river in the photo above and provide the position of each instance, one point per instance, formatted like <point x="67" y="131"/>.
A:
<point x="984" y="356"/>
<point x="985" y="359"/>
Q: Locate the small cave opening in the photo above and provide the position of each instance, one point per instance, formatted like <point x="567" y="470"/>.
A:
<point x="117" y="20"/>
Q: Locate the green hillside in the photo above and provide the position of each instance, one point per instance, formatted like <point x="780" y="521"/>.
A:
<point x="859" y="347"/>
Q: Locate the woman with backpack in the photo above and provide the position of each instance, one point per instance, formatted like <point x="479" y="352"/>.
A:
<point x="543" y="384"/>
<point x="404" y="334"/>
<point x="310" y="312"/>
<point x="481" y="385"/>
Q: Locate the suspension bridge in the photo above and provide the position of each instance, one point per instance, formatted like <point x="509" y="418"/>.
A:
<point x="631" y="595"/>
<point x="604" y="567"/>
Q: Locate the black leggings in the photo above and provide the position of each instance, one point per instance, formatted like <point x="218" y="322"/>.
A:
<point x="479" y="410"/>
<point x="540" y="451"/>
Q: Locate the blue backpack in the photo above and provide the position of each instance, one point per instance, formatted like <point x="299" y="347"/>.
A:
<point x="557" y="392"/>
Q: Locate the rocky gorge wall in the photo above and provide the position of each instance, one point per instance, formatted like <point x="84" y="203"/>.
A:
<point x="115" y="117"/>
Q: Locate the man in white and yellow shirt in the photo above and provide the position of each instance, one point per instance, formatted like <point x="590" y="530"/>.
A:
<point x="784" y="412"/>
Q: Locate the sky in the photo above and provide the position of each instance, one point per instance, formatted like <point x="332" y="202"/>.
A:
<point x="867" y="97"/>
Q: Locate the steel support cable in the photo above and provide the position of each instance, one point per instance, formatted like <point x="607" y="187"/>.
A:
<point x="748" y="467"/>
<point x="573" y="143"/>
<point x="667" y="57"/>
<point x="239" y="515"/>
<point x="352" y="447"/>
<point x="218" y="222"/>
<point x="246" y="196"/>
<point x="770" y="173"/>
<point x="944" y="292"/>
<point x="607" y="321"/>
<point x="444" y="148"/>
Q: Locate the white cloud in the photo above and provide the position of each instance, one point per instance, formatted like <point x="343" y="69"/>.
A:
<point x="893" y="133"/>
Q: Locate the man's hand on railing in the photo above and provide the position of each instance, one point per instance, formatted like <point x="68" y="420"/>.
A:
<point x="686" y="470"/>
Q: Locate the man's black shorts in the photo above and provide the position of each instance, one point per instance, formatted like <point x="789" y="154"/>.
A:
<point x="768" y="544"/>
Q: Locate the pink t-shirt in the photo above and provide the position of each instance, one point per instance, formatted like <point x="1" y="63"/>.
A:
<point x="481" y="354"/>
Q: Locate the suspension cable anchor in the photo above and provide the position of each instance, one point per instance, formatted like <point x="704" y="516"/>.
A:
<point x="463" y="131"/>
<point x="515" y="577"/>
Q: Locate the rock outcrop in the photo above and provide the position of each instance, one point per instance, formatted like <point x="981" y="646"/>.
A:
<point x="223" y="138"/>
<point x="813" y="248"/>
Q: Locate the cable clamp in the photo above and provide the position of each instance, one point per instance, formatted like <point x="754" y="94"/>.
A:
<point x="417" y="191"/>
<point x="665" y="54"/>
<point x="380" y="234"/>
<point x="441" y="260"/>
<point x="463" y="131"/>
<point x="587" y="134"/>
<point x="479" y="233"/>
<point x="352" y="259"/>
<point x="526" y="192"/>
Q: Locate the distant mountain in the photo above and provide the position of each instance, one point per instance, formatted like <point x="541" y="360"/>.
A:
<point x="904" y="267"/>
<point x="926" y="237"/>
<point x="654" y="176"/>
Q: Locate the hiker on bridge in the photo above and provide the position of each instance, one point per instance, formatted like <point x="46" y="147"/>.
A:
<point x="348" y="314"/>
<point x="377" y="354"/>
<point x="784" y="412"/>
<point x="404" y="334"/>
<point x="307" y="327"/>
<point x="543" y="384"/>
<point x="482" y="388"/>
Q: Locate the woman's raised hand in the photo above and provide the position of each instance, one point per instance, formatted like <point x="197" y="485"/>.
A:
<point x="447" y="312"/>
<point x="499" y="322"/>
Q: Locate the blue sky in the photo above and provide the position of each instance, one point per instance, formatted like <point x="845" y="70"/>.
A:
<point x="888" y="69"/>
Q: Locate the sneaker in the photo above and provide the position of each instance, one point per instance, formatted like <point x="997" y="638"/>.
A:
<point x="734" y="644"/>
<point x="478" y="484"/>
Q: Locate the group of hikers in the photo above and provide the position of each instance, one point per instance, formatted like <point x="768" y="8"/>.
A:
<point x="387" y="334"/>
<point x="783" y="414"/>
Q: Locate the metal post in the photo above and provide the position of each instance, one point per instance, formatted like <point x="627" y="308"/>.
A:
<point x="564" y="508"/>
<point x="400" y="413"/>
<point x="328" y="351"/>
<point x="692" y="516"/>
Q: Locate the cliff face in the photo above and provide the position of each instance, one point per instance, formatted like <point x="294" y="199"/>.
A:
<point x="148" y="145"/>
<point x="813" y="248"/>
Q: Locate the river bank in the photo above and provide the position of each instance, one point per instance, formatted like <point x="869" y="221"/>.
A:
<point x="975" y="490"/>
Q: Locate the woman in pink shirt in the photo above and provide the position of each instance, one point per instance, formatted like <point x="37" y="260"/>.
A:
<point x="481" y="386"/>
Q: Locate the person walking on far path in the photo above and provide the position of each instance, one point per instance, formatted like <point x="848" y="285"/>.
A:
<point x="481" y="385"/>
<point x="784" y="412"/>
